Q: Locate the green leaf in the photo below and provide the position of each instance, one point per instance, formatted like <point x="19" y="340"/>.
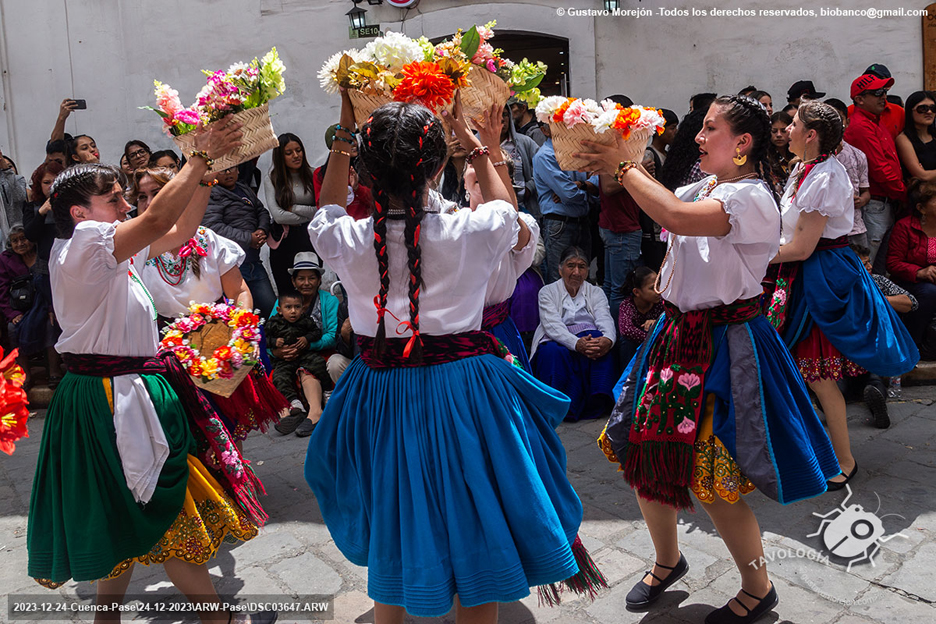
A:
<point x="529" y="84"/>
<point x="470" y="42"/>
<point x="155" y="110"/>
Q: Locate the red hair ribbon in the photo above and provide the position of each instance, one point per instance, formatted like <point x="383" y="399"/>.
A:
<point x="401" y="327"/>
<point x="192" y="247"/>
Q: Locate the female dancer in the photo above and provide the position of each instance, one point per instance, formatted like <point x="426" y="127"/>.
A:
<point x="117" y="480"/>
<point x="824" y="303"/>
<point x="712" y="402"/>
<point x="204" y="269"/>
<point x="436" y="463"/>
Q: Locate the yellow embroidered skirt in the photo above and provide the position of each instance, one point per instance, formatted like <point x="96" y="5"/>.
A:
<point x="208" y="516"/>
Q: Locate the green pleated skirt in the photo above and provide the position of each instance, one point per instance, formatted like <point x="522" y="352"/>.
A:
<point x="83" y="519"/>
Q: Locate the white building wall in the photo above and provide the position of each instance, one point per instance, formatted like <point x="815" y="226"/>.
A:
<point x="109" y="52"/>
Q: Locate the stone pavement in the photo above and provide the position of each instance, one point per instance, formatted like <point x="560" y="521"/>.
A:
<point x="295" y="555"/>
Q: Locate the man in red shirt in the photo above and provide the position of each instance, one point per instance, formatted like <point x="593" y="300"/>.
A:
<point x="865" y="132"/>
<point x="892" y="119"/>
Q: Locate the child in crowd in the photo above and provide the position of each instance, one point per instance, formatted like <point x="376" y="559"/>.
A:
<point x="287" y="327"/>
<point x="641" y="307"/>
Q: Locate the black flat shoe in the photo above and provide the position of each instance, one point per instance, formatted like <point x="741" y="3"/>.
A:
<point x="643" y="595"/>
<point x="288" y="424"/>
<point x="305" y="428"/>
<point x="726" y="616"/>
<point x="876" y="400"/>
<point x="834" y="486"/>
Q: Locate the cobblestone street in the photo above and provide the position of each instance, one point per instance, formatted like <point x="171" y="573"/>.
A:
<point x="295" y="555"/>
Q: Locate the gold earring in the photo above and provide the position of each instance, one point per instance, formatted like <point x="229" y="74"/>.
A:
<point x="739" y="159"/>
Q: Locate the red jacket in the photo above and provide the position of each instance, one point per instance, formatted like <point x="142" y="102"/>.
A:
<point x="909" y="249"/>
<point x="363" y="203"/>
<point x="884" y="173"/>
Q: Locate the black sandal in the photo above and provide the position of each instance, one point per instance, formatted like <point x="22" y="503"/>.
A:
<point x="726" y="616"/>
<point x="643" y="595"/>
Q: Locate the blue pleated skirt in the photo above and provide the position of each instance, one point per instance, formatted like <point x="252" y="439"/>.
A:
<point x="508" y="334"/>
<point x="588" y="383"/>
<point x="835" y="292"/>
<point x="444" y="480"/>
<point x="762" y="412"/>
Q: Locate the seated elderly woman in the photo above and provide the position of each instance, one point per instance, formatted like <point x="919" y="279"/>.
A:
<point x="25" y="308"/>
<point x="572" y="345"/>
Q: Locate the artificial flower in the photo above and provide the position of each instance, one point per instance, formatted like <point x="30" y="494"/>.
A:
<point x="574" y="114"/>
<point x="13" y="404"/>
<point x="548" y="107"/>
<point x="427" y="48"/>
<point x="425" y="83"/>
<point x="328" y="75"/>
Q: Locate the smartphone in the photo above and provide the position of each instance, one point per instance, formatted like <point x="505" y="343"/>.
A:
<point x="80" y="104"/>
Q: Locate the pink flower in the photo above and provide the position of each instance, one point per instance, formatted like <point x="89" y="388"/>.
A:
<point x="187" y="116"/>
<point x="780" y="297"/>
<point x="491" y="67"/>
<point x="485" y="33"/>
<point x="686" y="426"/>
<point x="666" y="374"/>
<point x="228" y="457"/>
<point x="689" y="381"/>
<point x="575" y="114"/>
<point x="485" y="52"/>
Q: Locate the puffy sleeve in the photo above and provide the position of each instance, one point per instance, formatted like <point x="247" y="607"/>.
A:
<point x="333" y="234"/>
<point x="497" y="223"/>
<point x="226" y="253"/>
<point x="90" y="255"/>
<point x="828" y="192"/>
<point x="752" y="213"/>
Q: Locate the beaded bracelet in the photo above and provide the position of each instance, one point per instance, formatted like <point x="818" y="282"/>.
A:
<point x="208" y="184"/>
<point x="499" y="163"/>
<point x="624" y="167"/>
<point x="338" y="151"/>
<point x="203" y="155"/>
<point x="340" y="127"/>
<point x="477" y="153"/>
<point x="348" y="141"/>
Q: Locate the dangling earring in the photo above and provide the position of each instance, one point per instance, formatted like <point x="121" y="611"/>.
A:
<point x="739" y="159"/>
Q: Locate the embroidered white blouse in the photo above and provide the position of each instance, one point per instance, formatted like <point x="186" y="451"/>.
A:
<point x="827" y="190"/>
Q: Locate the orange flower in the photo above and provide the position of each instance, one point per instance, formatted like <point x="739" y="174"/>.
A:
<point x="13" y="404"/>
<point x="560" y="112"/>
<point x="223" y="353"/>
<point x="425" y="83"/>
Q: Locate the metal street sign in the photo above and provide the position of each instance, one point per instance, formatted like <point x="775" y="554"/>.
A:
<point x="364" y="32"/>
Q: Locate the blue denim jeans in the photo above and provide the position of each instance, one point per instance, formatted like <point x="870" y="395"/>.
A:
<point x="559" y="235"/>
<point x="621" y="255"/>
<point x="258" y="282"/>
<point x="878" y="218"/>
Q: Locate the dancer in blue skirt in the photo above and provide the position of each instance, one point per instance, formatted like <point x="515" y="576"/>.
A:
<point x="820" y="298"/>
<point x="435" y="463"/>
<point x="712" y="402"/>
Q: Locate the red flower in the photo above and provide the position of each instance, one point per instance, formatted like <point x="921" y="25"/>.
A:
<point x="13" y="404"/>
<point x="223" y="353"/>
<point x="425" y="83"/>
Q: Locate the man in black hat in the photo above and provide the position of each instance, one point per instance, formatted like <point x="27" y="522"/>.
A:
<point x="803" y="90"/>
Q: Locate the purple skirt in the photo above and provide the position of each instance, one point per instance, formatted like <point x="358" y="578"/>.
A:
<point x="524" y="303"/>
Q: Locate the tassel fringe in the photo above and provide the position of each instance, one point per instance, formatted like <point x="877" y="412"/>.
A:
<point x="586" y="582"/>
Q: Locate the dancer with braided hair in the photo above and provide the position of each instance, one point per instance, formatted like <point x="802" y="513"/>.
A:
<point x="435" y="463"/>
<point x="829" y="311"/>
<point x="712" y="402"/>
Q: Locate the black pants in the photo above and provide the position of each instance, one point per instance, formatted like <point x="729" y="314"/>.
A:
<point x="286" y="373"/>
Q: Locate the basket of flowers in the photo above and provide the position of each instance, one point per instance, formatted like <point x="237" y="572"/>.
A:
<point x="244" y="90"/>
<point x="573" y="120"/>
<point x="491" y="78"/>
<point x="394" y="68"/>
<point x="217" y="343"/>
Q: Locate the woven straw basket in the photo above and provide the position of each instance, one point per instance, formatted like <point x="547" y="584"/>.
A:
<point x="208" y="338"/>
<point x="568" y="141"/>
<point x="257" y="138"/>
<point x="364" y="106"/>
<point x="485" y="90"/>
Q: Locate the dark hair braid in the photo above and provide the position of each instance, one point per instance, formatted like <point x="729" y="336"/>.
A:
<point x="827" y="123"/>
<point x="403" y="148"/>
<point x="746" y="115"/>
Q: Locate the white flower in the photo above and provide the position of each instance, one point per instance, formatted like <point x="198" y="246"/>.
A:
<point x="592" y="108"/>
<point x="548" y="106"/>
<point x="650" y="118"/>
<point x="608" y="104"/>
<point x="327" y="75"/>
<point x="394" y="50"/>
<point x="233" y="69"/>
<point x="603" y="121"/>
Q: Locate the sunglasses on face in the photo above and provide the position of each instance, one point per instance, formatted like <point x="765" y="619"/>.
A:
<point x="876" y="92"/>
<point x="925" y="108"/>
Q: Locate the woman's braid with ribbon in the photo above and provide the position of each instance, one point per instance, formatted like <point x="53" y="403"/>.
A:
<point x="827" y="123"/>
<point x="403" y="147"/>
